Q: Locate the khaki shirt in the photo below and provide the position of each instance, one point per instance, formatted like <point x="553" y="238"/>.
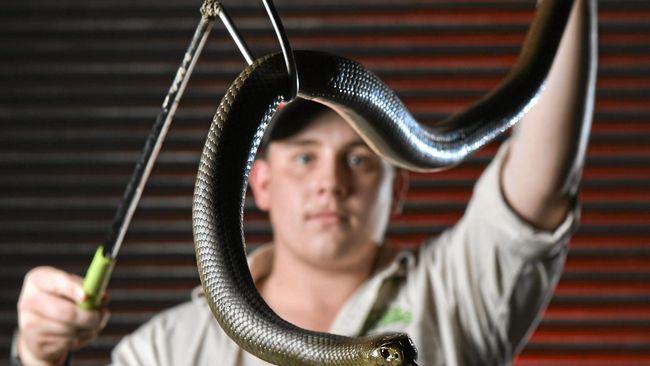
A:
<point x="471" y="296"/>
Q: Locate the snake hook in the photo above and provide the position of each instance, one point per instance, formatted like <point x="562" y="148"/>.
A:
<point x="213" y="9"/>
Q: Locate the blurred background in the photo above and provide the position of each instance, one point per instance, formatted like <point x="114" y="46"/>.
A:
<point x="81" y="83"/>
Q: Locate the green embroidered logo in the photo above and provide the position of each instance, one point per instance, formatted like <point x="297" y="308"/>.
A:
<point x="396" y="315"/>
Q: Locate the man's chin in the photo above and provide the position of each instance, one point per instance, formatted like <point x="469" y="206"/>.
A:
<point x="332" y="249"/>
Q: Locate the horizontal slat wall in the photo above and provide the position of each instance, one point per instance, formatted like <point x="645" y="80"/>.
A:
<point x="81" y="83"/>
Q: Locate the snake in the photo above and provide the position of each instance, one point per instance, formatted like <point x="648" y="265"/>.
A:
<point x="381" y="119"/>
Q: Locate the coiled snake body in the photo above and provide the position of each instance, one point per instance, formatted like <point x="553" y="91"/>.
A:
<point x="378" y="115"/>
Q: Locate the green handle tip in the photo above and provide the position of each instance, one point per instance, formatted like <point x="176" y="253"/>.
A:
<point x="96" y="280"/>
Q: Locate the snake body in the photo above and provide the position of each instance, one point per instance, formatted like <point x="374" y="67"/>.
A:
<point x="382" y="120"/>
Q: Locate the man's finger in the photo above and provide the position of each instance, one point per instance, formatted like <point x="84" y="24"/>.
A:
<point x="55" y="281"/>
<point x="37" y="326"/>
<point x="83" y="339"/>
<point x="54" y="308"/>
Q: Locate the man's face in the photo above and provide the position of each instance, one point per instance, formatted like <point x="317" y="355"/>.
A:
<point x="328" y="195"/>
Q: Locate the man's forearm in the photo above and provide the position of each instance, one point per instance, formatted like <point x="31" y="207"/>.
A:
<point x="543" y="168"/>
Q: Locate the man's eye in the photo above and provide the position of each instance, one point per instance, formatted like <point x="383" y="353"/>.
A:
<point x="304" y="159"/>
<point x="355" y="160"/>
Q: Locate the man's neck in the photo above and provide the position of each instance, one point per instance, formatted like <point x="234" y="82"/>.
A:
<point x="308" y="295"/>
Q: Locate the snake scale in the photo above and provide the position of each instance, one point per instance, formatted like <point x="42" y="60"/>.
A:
<point x="382" y="120"/>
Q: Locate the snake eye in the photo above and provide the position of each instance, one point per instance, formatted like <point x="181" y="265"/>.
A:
<point x="384" y="352"/>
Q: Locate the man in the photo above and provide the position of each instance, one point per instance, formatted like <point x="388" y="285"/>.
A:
<point x="471" y="296"/>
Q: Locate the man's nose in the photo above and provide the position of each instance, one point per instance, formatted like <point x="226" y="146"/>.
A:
<point x="334" y="178"/>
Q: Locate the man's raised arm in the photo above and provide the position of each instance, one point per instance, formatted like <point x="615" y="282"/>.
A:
<point x="541" y="174"/>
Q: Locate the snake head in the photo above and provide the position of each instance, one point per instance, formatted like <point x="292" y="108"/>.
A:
<point x="393" y="350"/>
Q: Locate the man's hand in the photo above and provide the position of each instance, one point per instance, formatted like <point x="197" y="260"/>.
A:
<point x="49" y="320"/>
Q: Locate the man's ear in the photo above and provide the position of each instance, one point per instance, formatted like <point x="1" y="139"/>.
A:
<point x="400" y="189"/>
<point x="258" y="179"/>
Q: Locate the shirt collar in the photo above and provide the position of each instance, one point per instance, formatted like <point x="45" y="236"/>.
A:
<point x="260" y="262"/>
<point x="390" y="263"/>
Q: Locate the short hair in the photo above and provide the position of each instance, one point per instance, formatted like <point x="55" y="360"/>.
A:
<point x="289" y="120"/>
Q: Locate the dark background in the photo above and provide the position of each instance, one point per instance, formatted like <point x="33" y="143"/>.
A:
<point x="82" y="81"/>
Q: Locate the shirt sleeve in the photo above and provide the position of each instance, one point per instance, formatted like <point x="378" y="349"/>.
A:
<point x="13" y="355"/>
<point x="494" y="273"/>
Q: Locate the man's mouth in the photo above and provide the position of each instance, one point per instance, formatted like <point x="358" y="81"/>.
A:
<point x="328" y="217"/>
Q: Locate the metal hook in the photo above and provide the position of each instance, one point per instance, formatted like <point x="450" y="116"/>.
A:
<point x="212" y="9"/>
<point x="287" y="51"/>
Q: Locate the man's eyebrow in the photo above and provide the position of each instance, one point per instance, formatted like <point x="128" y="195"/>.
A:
<point x="300" y="142"/>
<point x="358" y="142"/>
<point x="312" y="142"/>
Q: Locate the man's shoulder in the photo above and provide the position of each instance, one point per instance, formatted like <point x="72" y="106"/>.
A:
<point x="192" y="313"/>
<point x="187" y="328"/>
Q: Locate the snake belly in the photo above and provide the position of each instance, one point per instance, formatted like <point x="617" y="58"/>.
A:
<point x="382" y="120"/>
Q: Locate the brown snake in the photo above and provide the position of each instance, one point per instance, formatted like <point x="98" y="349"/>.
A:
<point x="378" y="115"/>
